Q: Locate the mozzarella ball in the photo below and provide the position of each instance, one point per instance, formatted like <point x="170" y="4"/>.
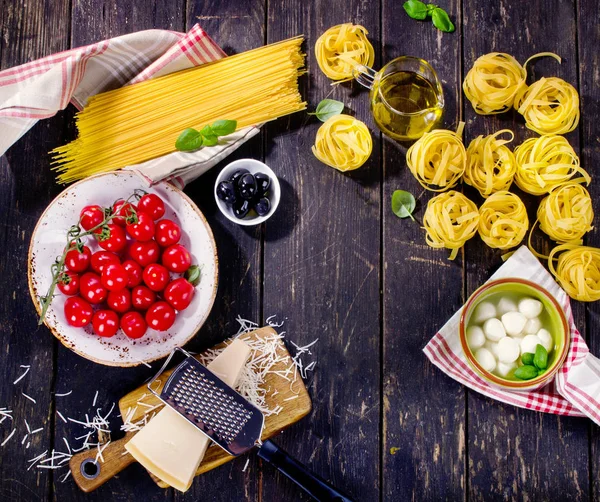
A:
<point x="532" y="326"/>
<point x="503" y="369"/>
<point x="506" y="305"/>
<point x="514" y="322"/>
<point x="486" y="359"/>
<point x="508" y="350"/>
<point x="518" y="339"/>
<point x="530" y="308"/>
<point x="475" y="337"/>
<point x="492" y="347"/>
<point x="529" y="343"/>
<point x="483" y="312"/>
<point x="546" y="338"/>
<point x="493" y="329"/>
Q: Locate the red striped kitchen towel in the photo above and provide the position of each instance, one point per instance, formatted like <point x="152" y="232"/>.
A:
<point x="41" y="88"/>
<point x="575" y="391"/>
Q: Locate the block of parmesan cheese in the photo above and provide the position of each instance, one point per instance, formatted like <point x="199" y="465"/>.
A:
<point x="172" y="448"/>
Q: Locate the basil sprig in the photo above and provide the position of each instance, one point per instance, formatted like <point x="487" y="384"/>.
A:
<point x="533" y="364"/>
<point x="421" y="11"/>
<point x="328" y="108"/>
<point x="191" y="139"/>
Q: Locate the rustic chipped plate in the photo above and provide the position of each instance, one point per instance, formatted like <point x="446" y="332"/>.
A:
<point x="48" y="241"/>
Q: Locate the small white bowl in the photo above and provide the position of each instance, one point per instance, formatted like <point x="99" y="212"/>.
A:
<point x="253" y="166"/>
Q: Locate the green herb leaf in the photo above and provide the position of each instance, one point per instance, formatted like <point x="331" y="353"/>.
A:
<point x="526" y="372"/>
<point x="441" y="20"/>
<point x="540" y="359"/>
<point x="403" y="204"/>
<point x="328" y="108"/>
<point x="527" y="358"/>
<point x="209" y="138"/>
<point x="416" y="9"/>
<point x="189" y="140"/>
<point x="224" y="127"/>
<point x="430" y="8"/>
<point x="193" y="275"/>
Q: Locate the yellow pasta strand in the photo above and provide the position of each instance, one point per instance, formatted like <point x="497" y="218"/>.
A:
<point x="438" y="159"/>
<point x="491" y="165"/>
<point x="549" y="106"/>
<point x="503" y="223"/>
<point x="566" y="214"/>
<point x="343" y="143"/>
<point x="140" y="122"/>
<point x="450" y="220"/>
<point x="577" y="271"/>
<point x="341" y="48"/>
<point x="547" y="162"/>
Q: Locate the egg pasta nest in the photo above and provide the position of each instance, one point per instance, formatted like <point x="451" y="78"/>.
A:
<point x="577" y="271"/>
<point x="503" y="220"/>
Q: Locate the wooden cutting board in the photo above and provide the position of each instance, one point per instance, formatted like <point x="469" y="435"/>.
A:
<point x="292" y="397"/>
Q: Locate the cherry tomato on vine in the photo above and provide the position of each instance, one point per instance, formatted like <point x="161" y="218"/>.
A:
<point x="114" y="277"/>
<point x="77" y="261"/>
<point x="152" y="205"/>
<point x="167" y="233"/>
<point x="102" y="258"/>
<point x="176" y="258"/>
<point x="119" y="301"/>
<point x="134" y="271"/>
<point x="142" y="297"/>
<point x="141" y="228"/>
<point x="112" y="238"/>
<point x="133" y="325"/>
<point x="77" y="311"/>
<point x="105" y="323"/>
<point x="160" y="316"/>
<point x="91" y="216"/>
<point x="179" y="293"/>
<point x="68" y="283"/>
<point x="122" y="210"/>
<point x="145" y="253"/>
<point x="91" y="288"/>
<point x="156" y="277"/>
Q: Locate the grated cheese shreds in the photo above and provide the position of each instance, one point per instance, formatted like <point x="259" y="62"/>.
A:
<point x="4" y="414"/>
<point x="246" y="465"/>
<point x="8" y="438"/>
<point x="29" y="397"/>
<point x="64" y="394"/>
<point x="22" y="375"/>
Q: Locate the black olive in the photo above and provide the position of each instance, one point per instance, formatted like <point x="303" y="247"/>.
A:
<point x="226" y="192"/>
<point x="263" y="206"/>
<point x="237" y="175"/>
<point x="241" y="208"/>
<point x="247" y="186"/>
<point x="263" y="183"/>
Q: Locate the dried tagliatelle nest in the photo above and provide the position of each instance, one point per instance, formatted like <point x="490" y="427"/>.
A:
<point x="577" y="271"/>
<point x="503" y="220"/>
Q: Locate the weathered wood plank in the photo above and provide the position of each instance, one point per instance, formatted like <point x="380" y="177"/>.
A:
<point x="424" y="422"/>
<point x="322" y="268"/>
<point x="511" y="452"/>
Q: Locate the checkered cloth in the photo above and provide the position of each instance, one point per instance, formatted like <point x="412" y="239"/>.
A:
<point x="575" y="391"/>
<point x="37" y="90"/>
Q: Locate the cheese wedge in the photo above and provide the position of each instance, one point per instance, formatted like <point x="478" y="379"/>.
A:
<point x="172" y="448"/>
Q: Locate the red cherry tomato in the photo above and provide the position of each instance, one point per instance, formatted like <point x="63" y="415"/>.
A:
<point x="114" y="277"/>
<point x="167" y="233"/>
<point x="152" y="205"/>
<point x="179" y="293"/>
<point x="134" y="271"/>
<point x="176" y="258"/>
<point x="69" y="283"/>
<point x="91" y="216"/>
<point x="76" y="261"/>
<point x="105" y="323"/>
<point x="113" y="238"/>
<point x="119" y="301"/>
<point x="78" y="312"/>
<point x="102" y="258"/>
<point x="91" y="288"/>
<point x="145" y="253"/>
<point x="142" y="297"/>
<point x="160" y="316"/>
<point x="133" y="325"/>
<point x="156" y="277"/>
<point x="142" y="229"/>
<point x="122" y="210"/>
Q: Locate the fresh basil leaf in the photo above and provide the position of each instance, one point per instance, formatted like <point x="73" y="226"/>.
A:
<point x="526" y="372"/>
<point x="403" y="204"/>
<point x="209" y="138"/>
<point x="416" y="9"/>
<point x="527" y="358"/>
<point x="540" y="359"/>
<point x="430" y="8"/>
<point x="224" y="127"/>
<point x="189" y="140"/>
<point x="193" y="275"/>
<point x="328" y="108"/>
<point x="441" y="20"/>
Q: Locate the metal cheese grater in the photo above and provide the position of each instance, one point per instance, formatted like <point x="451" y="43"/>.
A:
<point x="211" y="405"/>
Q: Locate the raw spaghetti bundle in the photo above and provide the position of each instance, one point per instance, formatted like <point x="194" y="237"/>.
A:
<point x="566" y="214"/>
<point x="140" y="122"/>
<point x="450" y="220"/>
<point x="546" y="162"/>
<point x="491" y="165"/>
<point x="503" y="220"/>
<point x="341" y="48"/>
<point x="438" y="159"/>
<point x="343" y="143"/>
<point x="577" y="271"/>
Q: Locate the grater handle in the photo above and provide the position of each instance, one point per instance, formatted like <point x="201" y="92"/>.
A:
<point x="312" y="484"/>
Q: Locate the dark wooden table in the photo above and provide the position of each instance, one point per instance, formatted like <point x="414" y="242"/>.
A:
<point x="334" y="262"/>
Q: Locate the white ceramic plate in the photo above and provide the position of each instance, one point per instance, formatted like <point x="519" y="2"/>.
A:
<point x="48" y="241"/>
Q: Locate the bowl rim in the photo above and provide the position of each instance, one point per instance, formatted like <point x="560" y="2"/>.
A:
<point x="220" y="204"/>
<point x="513" y="384"/>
